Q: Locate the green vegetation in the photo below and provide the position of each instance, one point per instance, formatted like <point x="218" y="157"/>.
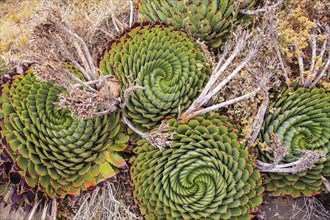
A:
<point x="205" y="173"/>
<point x="210" y="21"/>
<point x="298" y="125"/>
<point x="52" y="150"/>
<point x="161" y="72"/>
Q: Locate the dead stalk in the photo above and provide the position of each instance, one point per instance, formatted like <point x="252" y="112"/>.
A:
<point x="80" y="82"/>
<point x="326" y="183"/>
<point x="103" y="204"/>
<point x="312" y="209"/>
<point x="33" y="211"/>
<point x="259" y="119"/>
<point x="316" y="76"/>
<point x="128" y="92"/>
<point x="159" y="138"/>
<point x="213" y="86"/>
<point x="315" y="61"/>
<point x="306" y="162"/>
<point x="322" y="73"/>
<point x="301" y="64"/>
<point x="54" y="210"/>
<point x="224" y="104"/>
<point x="100" y="80"/>
<point x="313" y="45"/>
<point x="263" y="9"/>
<point x="131" y="18"/>
<point x="44" y="212"/>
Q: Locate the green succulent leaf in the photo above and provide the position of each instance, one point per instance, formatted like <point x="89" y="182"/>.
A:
<point x="208" y="20"/>
<point x="57" y="153"/>
<point x="300" y="120"/>
<point x="194" y="180"/>
<point x="168" y="64"/>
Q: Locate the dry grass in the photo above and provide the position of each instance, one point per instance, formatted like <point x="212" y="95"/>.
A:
<point x="287" y="208"/>
<point x="312" y="209"/>
<point x="15" y="22"/>
<point x="92" y="19"/>
<point x="111" y="200"/>
<point x="77" y="33"/>
<point x="103" y="204"/>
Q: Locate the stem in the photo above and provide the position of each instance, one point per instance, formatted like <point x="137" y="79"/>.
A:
<point x="322" y="73"/>
<point x="93" y="82"/>
<point x="216" y="74"/>
<point x="256" y="125"/>
<point x="228" y="47"/>
<point x="87" y="53"/>
<point x="44" y="212"/>
<point x="304" y="163"/>
<point x="285" y="73"/>
<point x="103" y="113"/>
<point x="261" y="10"/>
<point x="301" y="65"/>
<point x="326" y="183"/>
<point x="82" y="83"/>
<point x="84" y="61"/>
<point x="114" y="23"/>
<point x="315" y="71"/>
<point x="54" y="210"/>
<point x="228" y="78"/>
<point x="314" y="42"/>
<point x="131" y="14"/>
<point x="223" y="104"/>
<point x="70" y="57"/>
<point x="130" y="125"/>
<point x="33" y="211"/>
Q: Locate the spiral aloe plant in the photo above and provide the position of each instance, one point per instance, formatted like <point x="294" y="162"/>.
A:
<point x="299" y="119"/>
<point x="205" y="173"/>
<point x="208" y="20"/>
<point x="169" y="66"/>
<point x="50" y="149"/>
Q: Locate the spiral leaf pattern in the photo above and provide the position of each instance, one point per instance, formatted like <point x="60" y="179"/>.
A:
<point x="169" y="66"/>
<point x="300" y="119"/>
<point x="205" y="174"/>
<point x="51" y="150"/>
<point x="208" y="20"/>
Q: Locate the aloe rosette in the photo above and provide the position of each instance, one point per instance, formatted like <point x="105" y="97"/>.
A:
<point x="208" y="20"/>
<point x="168" y="64"/>
<point x="300" y="119"/>
<point x="50" y="149"/>
<point x="205" y="174"/>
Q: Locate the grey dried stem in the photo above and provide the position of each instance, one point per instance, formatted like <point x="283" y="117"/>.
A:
<point x="85" y="104"/>
<point x="263" y="9"/>
<point x="128" y="92"/>
<point x="306" y="162"/>
<point x="326" y="183"/>
<point x="94" y="95"/>
<point x="262" y="70"/>
<point x="258" y="121"/>
<point x="316" y="72"/>
<point x="103" y="204"/>
<point x="33" y="211"/>
<point x="44" y="212"/>
<point x="312" y="209"/>
<point x="159" y="138"/>
<point x="49" y="211"/>
<point x="243" y="42"/>
<point x="270" y="27"/>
